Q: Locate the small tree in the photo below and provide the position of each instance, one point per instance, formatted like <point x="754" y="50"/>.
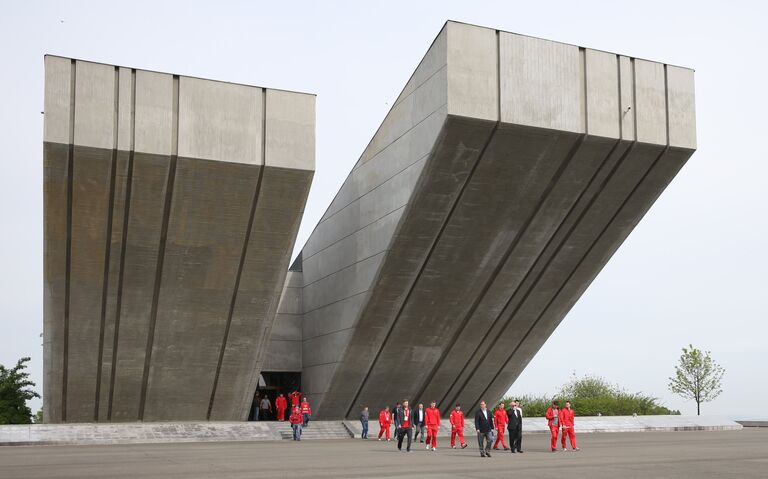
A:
<point x="15" y="391"/>
<point x="697" y="377"/>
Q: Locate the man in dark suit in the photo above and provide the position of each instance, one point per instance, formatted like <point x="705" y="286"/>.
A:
<point x="484" y="428"/>
<point x="515" y="426"/>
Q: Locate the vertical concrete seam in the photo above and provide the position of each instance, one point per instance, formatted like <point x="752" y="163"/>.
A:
<point x="108" y="242"/>
<point x="666" y="102"/>
<point x="243" y="255"/>
<point x="634" y="97"/>
<point x="621" y="107"/>
<point x="123" y="243"/>
<point x="162" y="244"/>
<point x="68" y="256"/>
<point x="583" y="78"/>
<point x="431" y="250"/>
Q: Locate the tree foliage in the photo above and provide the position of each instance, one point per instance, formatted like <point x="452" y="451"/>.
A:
<point x="15" y="391"/>
<point x="593" y="396"/>
<point x="697" y="377"/>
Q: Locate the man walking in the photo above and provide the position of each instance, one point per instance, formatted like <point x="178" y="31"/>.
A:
<point x="419" y="422"/>
<point x="296" y="420"/>
<point x="364" y="423"/>
<point x="457" y="427"/>
<point x="553" y="421"/>
<point x="266" y="408"/>
<point x="484" y="426"/>
<point x="433" y="425"/>
<point x="500" y="420"/>
<point x="403" y="420"/>
<point x="280" y="405"/>
<point x="385" y="421"/>
<point x="395" y="417"/>
<point x="515" y="426"/>
<point x="295" y="398"/>
<point x="567" y="423"/>
<point x="306" y="411"/>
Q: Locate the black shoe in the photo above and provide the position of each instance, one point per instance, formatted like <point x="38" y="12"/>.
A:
<point x="512" y="451"/>
<point x="463" y="446"/>
<point x="488" y="454"/>
<point x="519" y="451"/>
<point x="506" y="449"/>
<point x="482" y="454"/>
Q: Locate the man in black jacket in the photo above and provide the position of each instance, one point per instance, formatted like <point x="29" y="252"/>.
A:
<point x="515" y="426"/>
<point x="484" y="428"/>
<point x="419" y="417"/>
<point x="403" y="418"/>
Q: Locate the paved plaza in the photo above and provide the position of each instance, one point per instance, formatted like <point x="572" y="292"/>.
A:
<point x="742" y="454"/>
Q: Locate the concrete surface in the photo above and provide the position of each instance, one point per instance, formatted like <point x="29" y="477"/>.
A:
<point x="505" y="176"/>
<point x="171" y="209"/>
<point x="739" y="454"/>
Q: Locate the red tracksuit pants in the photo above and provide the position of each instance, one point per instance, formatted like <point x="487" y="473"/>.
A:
<point x="500" y="438"/>
<point x="382" y="429"/>
<point x="432" y="436"/>
<point x="281" y="414"/>
<point x="457" y="432"/>
<point x="554" y="430"/>
<point x="568" y="431"/>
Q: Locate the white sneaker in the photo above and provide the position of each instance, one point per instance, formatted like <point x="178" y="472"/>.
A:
<point x="379" y="439"/>
<point x="565" y="450"/>
<point x="427" y="448"/>
<point x="453" y="447"/>
<point x="434" y="449"/>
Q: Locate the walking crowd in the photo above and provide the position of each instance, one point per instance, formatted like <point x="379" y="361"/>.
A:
<point x="491" y="427"/>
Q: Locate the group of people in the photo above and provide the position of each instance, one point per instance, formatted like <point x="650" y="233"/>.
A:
<point x="490" y="426"/>
<point x="298" y="416"/>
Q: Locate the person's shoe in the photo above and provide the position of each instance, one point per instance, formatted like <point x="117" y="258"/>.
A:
<point x="565" y="450"/>
<point x="576" y="449"/>
<point x="554" y="450"/>
<point x="512" y="451"/>
<point x="519" y="451"/>
<point x="506" y="449"/>
<point x="482" y="454"/>
<point x="422" y="441"/>
<point x="389" y="440"/>
<point x="495" y="448"/>
<point x="427" y="447"/>
<point x="399" y="449"/>
<point x="434" y="449"/>
<point x="407" y="450"/>
<point x="488" y="454"/>
<point x="463" y="446"/>
<point x="453" y="447"/>
<point x="379" y="439"/>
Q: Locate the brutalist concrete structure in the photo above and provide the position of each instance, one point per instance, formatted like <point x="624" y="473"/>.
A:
<point x="505" y="176"/>
<point x="171" y="208"/>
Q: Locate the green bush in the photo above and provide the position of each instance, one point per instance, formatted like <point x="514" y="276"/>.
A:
<point x="592" y="395"/>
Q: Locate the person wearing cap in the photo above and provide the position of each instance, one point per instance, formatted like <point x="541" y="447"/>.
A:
<point x="500" y="420"/>
<point x="281" y="404"/>
<point x="553" y="421"/>
<point x="433" y="425"/>
<point x="296" y="421"/>
<point x="567" y="423"/>
<point x="457" y="427"/>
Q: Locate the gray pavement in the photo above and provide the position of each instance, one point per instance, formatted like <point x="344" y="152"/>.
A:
<point x="698" y="454"/>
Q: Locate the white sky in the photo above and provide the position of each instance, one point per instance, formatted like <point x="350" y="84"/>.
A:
<point x="693" y="271"/>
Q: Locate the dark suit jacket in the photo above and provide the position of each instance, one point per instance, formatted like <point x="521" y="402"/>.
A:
<point x="514" y="421"/>
<point x="481" y="423"/>
<point x="415" y="417"/>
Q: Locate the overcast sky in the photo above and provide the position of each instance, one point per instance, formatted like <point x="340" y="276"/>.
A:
<point x="693" y="271"/>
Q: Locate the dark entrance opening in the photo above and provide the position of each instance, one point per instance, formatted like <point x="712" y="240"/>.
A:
<point x="271" y="385"/>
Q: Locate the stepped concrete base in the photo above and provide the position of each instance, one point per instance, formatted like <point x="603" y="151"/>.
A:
<point x="538" y="425"/>
<point x="160" y="432"/>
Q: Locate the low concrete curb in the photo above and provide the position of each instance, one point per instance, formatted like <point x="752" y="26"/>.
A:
<point x="160" y="432"/>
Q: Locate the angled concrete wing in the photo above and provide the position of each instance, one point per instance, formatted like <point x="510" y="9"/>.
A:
<point x="504" y="177"/>
<point x="171" y="207"/>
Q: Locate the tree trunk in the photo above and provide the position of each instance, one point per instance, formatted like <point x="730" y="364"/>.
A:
<point x="698" y="408"/>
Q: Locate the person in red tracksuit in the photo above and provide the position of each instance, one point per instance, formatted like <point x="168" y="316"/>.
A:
<point x="500" y="419"/>
<point x="457" y="427"/>
<point x="432" y="421"/>
<point x="281" y="404"/>
<point x="553" y="421"/>
<point x="295" y="397"/>
<point x="385" y="421"/>
<point x="566" y="422"/>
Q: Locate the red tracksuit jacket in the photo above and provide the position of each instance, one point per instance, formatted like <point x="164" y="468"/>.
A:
<point x="457" y="420"/>
<point x="385" y="419"/>
<point x="551" y="415"/>
<point x="566" y="417"/>
<point x="295" y="398"/>
<point x="432" y="417"/>
<point x="296" y="418"/>
<point x="305" y="409"/>
<point x="281" y="403"/>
